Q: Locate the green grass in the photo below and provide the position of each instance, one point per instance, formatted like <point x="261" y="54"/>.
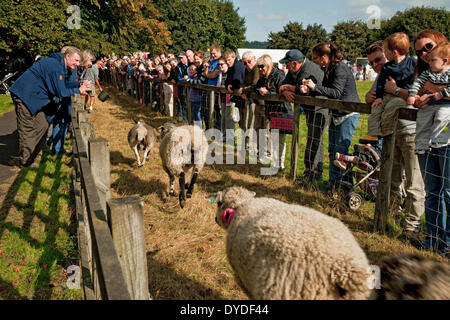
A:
<point x="37" y="233"/>
<point x="6" y="103"/>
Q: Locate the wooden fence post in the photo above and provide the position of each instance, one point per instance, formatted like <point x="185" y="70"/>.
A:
<point x="126" y="219"/>
<point x="294" y="146"/>
<point x="382" y="204"/>
<point x="188" y="106"/>
<point x="87" y="131"/>
<point x="211" y="109"/>
<point x="100" y="165"/>
<point x="161" y="97"/>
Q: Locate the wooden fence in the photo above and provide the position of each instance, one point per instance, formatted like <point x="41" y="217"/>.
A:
<point x="382" y="205"/>
<point x="111" y="236"/>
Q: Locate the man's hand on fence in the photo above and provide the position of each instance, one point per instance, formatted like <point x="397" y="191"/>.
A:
<point x="86" y="85"/>
<point x="289" y="95"/>
<point x="371" y="96"/>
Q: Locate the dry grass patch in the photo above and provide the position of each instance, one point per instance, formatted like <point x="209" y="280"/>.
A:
<point x="185" y="247"/>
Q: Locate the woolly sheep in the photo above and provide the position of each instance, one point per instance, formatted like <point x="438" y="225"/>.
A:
<point x="410" y="276"/>
<point x="284" y="251"/>
<point x="183" y="151"/>
<point x="143" y="137"/>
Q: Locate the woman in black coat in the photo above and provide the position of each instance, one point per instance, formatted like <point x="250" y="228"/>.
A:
<point x="269" y="82"/>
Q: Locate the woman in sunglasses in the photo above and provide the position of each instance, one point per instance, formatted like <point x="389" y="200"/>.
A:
<point x="434" y="164"/>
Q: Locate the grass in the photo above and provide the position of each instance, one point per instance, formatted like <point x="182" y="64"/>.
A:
<point x="38" y="233"/>
<point x="185" y="247"/>
<point x="6" y="103"/>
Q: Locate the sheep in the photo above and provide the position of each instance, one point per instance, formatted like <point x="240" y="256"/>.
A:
<point x="285" y="251"/>
<point x="183" y="150"/>
<point x="141" y="136"/>
<point x="410" y="276"/>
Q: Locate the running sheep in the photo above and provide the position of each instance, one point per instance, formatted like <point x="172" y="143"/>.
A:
<point x="141" y="137"/>
<point x="183" y="152"/>
<point x="285" y="251"/>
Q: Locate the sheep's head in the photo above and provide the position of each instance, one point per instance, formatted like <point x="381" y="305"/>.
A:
<point x="166" y="128"/>
<point x="228" y="201"/>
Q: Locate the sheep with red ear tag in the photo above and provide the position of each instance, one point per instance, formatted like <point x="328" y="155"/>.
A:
<point x="284" y="251"/>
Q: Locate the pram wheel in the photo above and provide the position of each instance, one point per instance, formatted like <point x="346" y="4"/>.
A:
<point x="355" y="201"/>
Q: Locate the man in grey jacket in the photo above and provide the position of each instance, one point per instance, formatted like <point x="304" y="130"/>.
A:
<point x="317" y="119"/>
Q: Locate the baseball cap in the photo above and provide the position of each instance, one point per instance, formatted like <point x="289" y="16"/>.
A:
<point x="292" y="55"/>
<point x="182" y="54"/>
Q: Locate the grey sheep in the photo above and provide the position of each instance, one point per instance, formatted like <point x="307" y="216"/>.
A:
<point x="141" y="137"/>
<point x="183" y="152"/>
<point x="412" y="277"/>
<point x="285" y="251"/>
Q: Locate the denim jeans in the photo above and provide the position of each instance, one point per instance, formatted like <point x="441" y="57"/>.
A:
<point x="196" y="112"/>
<point x="435" y="168"/>
<point x="339" y="139"/>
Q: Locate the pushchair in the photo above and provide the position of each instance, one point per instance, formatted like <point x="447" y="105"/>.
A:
<point x="4" y="82"/>
<point x="363" y="166"/>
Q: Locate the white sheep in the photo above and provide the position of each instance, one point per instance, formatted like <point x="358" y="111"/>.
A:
<point x="183" y="151"/>
<point x="143" y="137"/>
<point x="285" y="251"/>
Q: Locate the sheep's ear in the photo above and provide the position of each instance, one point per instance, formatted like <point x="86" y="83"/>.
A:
<point x="160" y="128"/>
<point x="135" y="121"/>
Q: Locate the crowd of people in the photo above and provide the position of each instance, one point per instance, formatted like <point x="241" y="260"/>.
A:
<point x="42" y="97"/>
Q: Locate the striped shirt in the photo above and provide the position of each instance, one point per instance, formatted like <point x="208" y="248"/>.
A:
<point x="435" y="78"/>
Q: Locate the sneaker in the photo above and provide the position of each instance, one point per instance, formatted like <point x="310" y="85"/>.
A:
<point x="364" y="165"/>
<point x="340" y="164"/>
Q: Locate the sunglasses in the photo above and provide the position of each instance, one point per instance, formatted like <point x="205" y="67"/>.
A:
<point x="261" y="66"/>
<point x="426" y="48"/>
<point x="377" y="61"/>
<point x="221" y="64"/>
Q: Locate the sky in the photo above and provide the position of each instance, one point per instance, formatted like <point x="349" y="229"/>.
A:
<point x="265" y="16"/>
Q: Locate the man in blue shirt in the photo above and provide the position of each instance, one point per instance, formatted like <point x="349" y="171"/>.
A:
<point x="36" y="94"/>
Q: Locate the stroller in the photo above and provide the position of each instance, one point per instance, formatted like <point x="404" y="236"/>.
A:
<point x="4" y="87"/>
<point x="363" y="165"/>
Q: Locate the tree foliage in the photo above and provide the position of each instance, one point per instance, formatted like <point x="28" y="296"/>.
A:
<point x="351" y="38"/>
<point x="197" y="24"/>
<point x="294" y="36"/>
<point x="40" y="26"/>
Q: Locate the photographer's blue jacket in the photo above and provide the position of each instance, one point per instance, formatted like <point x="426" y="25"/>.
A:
<point x="44" y="82"/>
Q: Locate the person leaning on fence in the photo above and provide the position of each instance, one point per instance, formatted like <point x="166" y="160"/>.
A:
<point x="434" y="164"/>
<point x="36" y="94"/>
<point x="251" y="77"/>
<point x="235" y="76"/>
<point x="338" y="83"/>
<point x="317" y="119"/>
<point x="270" y="81"/>
<point x="182" y="76"/>
<point x="404" y="158"/>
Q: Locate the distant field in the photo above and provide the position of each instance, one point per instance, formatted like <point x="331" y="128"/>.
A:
<point x="6" y="103"/>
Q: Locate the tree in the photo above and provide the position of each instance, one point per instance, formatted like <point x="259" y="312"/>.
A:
<point x="351" y="38"/>
<point x="294" y="36"/>
<point x="412" y="21"/>
<point x="256" y="44"/>
<point x="214" y="21"/>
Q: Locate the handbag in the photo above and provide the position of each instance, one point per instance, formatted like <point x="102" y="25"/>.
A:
<point x="235" y="113"/>
<point x="282" y="121"/>
<point x="103" y="96"/>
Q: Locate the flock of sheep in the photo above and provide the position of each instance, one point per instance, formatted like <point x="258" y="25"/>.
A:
<point x="285" y="251"/>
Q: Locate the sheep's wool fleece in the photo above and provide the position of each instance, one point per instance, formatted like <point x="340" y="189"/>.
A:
<point x="283" y="251"/>
<point x="182" y="147"/>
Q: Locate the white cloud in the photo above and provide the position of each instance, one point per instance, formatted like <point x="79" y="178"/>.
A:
<point x="260" y="3"/>
<point x="272" y="16"/>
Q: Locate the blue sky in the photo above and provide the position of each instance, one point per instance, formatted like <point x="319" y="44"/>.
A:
<point x="264" y="16"/>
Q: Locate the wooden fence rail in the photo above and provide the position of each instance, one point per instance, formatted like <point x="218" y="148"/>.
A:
<point x="382" y="203"/>
<point x="103" y="266"/>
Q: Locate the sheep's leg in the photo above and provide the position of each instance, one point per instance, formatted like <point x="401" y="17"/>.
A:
<point x="136" y="152"/>
<point x="145" y="155"/>
<point x="182" y="195"/>
<point x="172" y="182"/>
<point x="191" y="186"/>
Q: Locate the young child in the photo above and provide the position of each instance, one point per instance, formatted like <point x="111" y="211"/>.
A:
<point x="432" y="122"/>
<point x="92" y="75"/>
<point x="401" y="68"/>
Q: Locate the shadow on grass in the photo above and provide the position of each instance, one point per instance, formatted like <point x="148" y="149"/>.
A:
<point x="129" y="183"/>
<point x="49" y="255"/>
<point x="165" y="283"/>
